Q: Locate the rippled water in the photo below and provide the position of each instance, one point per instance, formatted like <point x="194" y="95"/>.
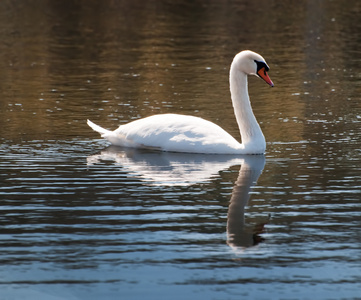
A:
<point x="82" y="220"/>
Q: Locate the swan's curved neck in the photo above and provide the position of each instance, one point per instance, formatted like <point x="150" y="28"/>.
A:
<point x="251" y="133"/>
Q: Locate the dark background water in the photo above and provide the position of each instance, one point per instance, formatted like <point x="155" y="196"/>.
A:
<point x="80" y="220"/>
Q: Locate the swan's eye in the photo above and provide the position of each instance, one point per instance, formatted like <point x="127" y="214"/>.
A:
<point x="260" y="65"/>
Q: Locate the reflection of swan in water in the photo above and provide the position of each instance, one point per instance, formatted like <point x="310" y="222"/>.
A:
<point x="239" y="234"/>
<point x="166" y="168"/>
<point x="182" y="169"/>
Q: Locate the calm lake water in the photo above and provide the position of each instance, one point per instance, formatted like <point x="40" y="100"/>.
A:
<point x="82" y="220"/>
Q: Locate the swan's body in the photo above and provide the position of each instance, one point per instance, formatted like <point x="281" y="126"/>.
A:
<point x="180" y="133"/>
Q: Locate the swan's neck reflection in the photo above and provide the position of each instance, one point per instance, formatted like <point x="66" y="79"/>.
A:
<point x="239" y="234"/>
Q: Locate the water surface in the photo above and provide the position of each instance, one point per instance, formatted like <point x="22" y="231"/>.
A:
<point x="82" y="220"/>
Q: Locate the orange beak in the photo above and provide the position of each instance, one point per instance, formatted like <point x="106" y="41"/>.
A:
<point x="263" y="74"/>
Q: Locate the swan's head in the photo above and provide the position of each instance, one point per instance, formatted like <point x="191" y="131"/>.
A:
<point x="252" y="63"/>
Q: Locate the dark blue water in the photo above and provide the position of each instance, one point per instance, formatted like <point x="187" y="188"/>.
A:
<point x="82" y="220"/>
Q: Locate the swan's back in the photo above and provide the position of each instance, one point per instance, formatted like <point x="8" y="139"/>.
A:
<point x="173" y="132"/>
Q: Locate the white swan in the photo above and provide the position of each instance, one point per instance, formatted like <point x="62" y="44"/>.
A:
<point x="180" y="133"/>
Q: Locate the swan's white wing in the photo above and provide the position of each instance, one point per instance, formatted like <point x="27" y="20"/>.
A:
<point x="173" y="132"/>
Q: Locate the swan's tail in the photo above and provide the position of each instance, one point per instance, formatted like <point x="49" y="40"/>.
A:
<point x="97" y="128"/>
<point x="114" y="137"/>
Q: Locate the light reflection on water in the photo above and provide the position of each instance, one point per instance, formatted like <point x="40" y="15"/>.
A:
<point x="81" y="220"/>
